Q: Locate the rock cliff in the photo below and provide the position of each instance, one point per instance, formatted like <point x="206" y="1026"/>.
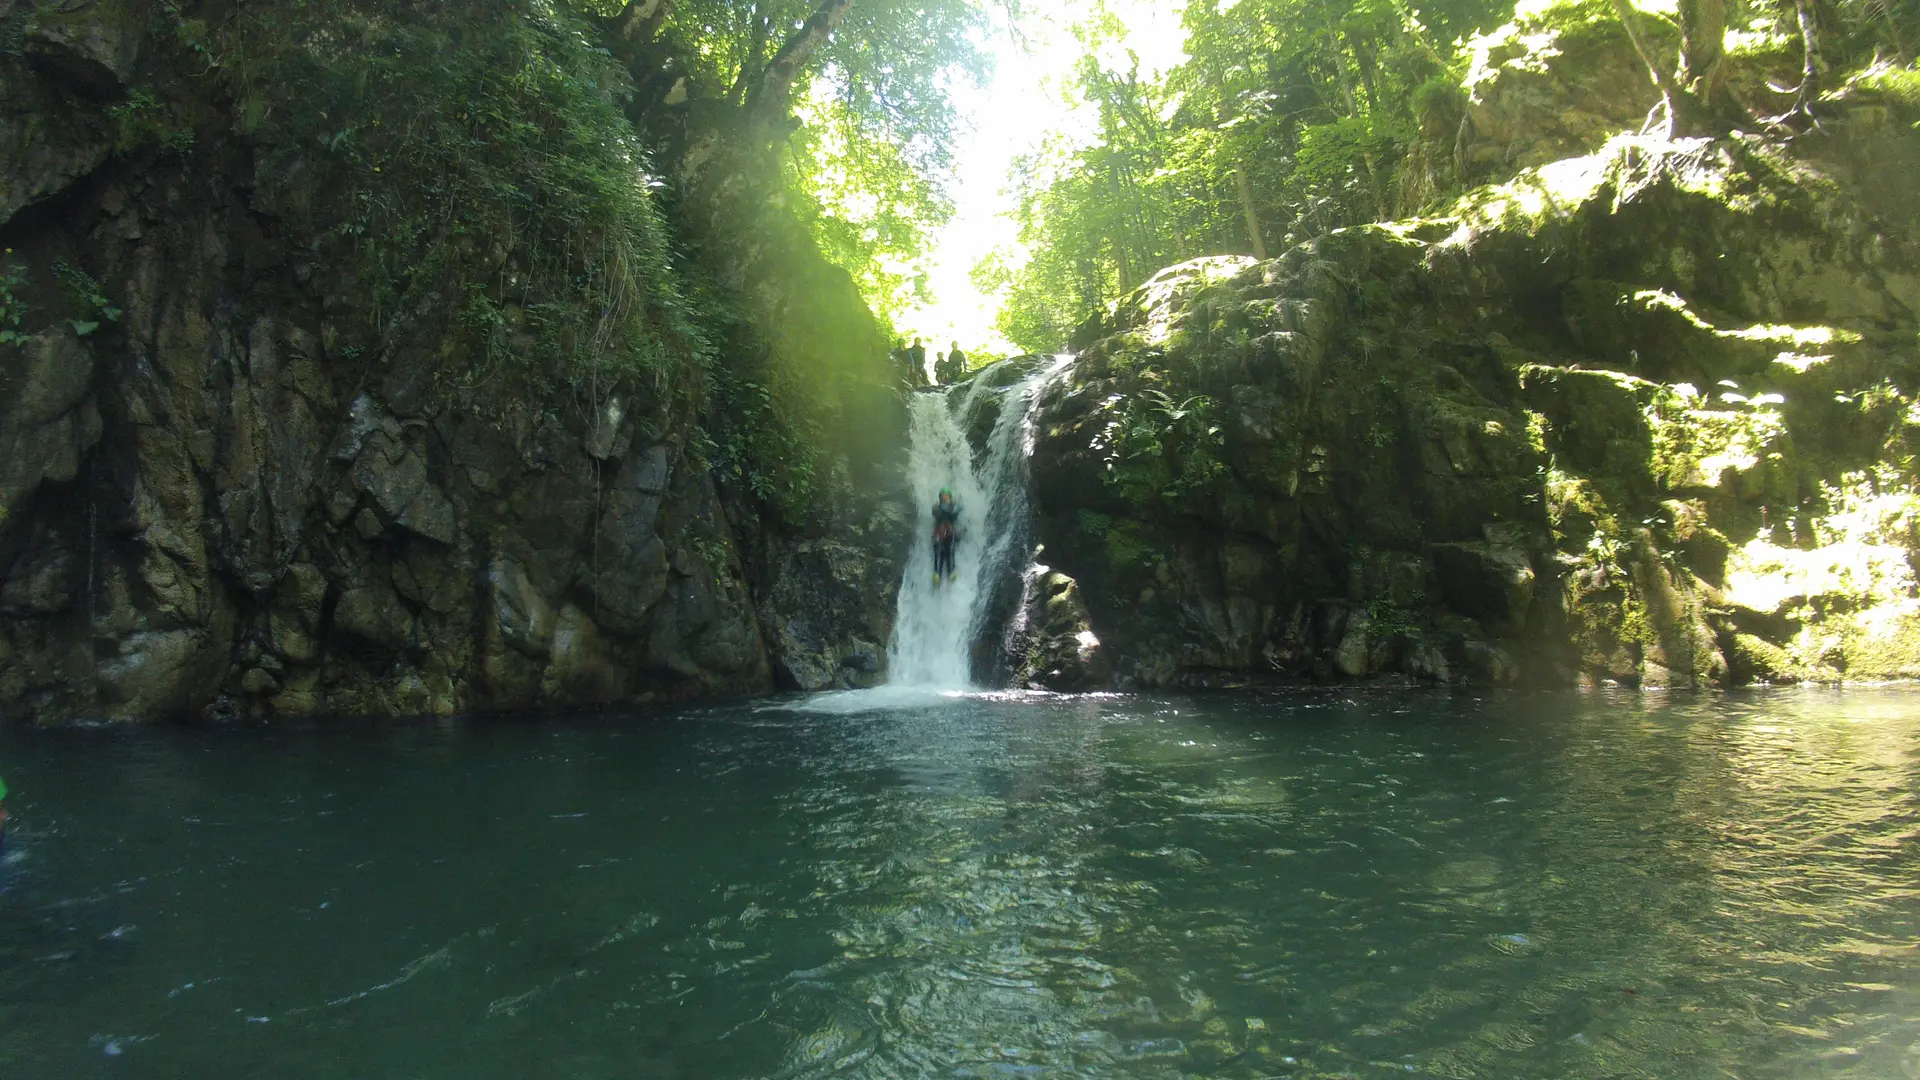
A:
<point x="1646" y="415"/>
<point x="236" y="479"/>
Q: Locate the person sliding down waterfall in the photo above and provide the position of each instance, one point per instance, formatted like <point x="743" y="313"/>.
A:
<point x="946" y="521"/>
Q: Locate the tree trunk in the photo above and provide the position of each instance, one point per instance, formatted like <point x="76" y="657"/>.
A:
<point x="750" y="62"/>
<point x="1811" y="64"/>
<point x="641" y="20"/>
<point x="1363" y="57"/>
<point x="1366" y="148"/>
<point x="1128" y="196"/>
<point x="1703" y="43"/>
<point x="1670" y="94"/>
<point x="1246" y="206"/>
<point x="772" y="95"/>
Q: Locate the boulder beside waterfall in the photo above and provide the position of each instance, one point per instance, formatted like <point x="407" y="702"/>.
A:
<point x="1052" y="644"/>
<point x="1643" y="416"/>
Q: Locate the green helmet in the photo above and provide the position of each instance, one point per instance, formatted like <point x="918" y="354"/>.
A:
<point x="946" y="493"/>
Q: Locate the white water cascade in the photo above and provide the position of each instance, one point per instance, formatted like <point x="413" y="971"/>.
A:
<point x="935" y="625"/>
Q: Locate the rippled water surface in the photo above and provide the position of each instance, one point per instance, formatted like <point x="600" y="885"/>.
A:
<point x="1305" y="885"/>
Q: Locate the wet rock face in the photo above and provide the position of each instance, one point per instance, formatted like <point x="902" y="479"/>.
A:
<point x="1052" y="641"/>
<point x="1244" y="488"/>
<point x="828" y="612"/>
<point x="255" y="532"/>
<point x="1615" y="420"/>
<point x="216" y="501"/>
<point x="71" y="61"/>
<point x="49" y="419"/>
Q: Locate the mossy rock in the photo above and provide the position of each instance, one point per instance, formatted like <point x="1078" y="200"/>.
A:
<point x="1604" y="381"/>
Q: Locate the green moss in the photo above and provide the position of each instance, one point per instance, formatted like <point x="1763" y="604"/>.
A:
<point x="1386" y="621"/>
<point x="1755" y="659"/>
<point x="1542" y="36"/>
<point x="1699" y="448"/>
<point x="1886" y="651"/>
<point x="1129" y="547"/>
<point x="1635" y="624"/>
<point x="1902" y="84"/>
<point x="463" y="158"/>
<point x="144" y="122"/>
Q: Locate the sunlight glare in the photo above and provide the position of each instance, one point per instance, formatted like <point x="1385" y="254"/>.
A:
<point x="1027" y="104"/>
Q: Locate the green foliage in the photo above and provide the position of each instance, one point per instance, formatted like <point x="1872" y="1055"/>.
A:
<point x="777" y="456"/>
<point x="886" y="68"/>
<point x="869" y="206"/>
<point x="876" y="118"/>
<point x="863" y="165"/>
<point x="471" y="159"/>
<point x="84" y="294"/>
<point x="1869" y="29"/>
<point x="1441" y="98"/>
<point x="1159" y="450"/>
<point x="143" y="122"/>
<point x="13" y="309"/>
<point x="83" y="297"/>
<point x="1295" y="114"/>
<point x="1900" y="84"/>
<point x="1387" y="620"/>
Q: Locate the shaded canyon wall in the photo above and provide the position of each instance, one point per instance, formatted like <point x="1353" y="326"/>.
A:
<point x="214" y="501"/>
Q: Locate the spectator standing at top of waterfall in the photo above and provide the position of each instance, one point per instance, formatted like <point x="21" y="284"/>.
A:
<point x="917" y="363"/>
<point x="955" y="364"/>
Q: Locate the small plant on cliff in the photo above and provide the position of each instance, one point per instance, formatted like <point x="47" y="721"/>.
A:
<point x="463" y="162"/>
<point x="143" y="122"/>
<point x="712" y="551"/>
<point x="774" y="456"/>
<point x="1158" y="448"/>
<point x="84" y="293"/>
<point x="1387" y="620"/>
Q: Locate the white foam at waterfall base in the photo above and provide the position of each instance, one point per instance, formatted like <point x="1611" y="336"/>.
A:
<point x="935" y="624"/>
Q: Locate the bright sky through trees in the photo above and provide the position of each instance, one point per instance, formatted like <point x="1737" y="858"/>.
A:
<point x="1028" y="98"/>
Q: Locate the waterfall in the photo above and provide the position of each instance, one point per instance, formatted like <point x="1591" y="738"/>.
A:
<point x="936" y="625"/>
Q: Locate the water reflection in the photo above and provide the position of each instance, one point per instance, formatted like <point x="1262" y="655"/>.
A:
<point x="1307" y="885"/>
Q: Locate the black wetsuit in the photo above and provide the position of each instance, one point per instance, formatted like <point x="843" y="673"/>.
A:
<point x="946" y="520"/>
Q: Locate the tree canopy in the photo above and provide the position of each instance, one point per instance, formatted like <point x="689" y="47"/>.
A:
<point x="1290" y="118"/>
<point x="856" y="93"/>
<point x="1287" y="118"/>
